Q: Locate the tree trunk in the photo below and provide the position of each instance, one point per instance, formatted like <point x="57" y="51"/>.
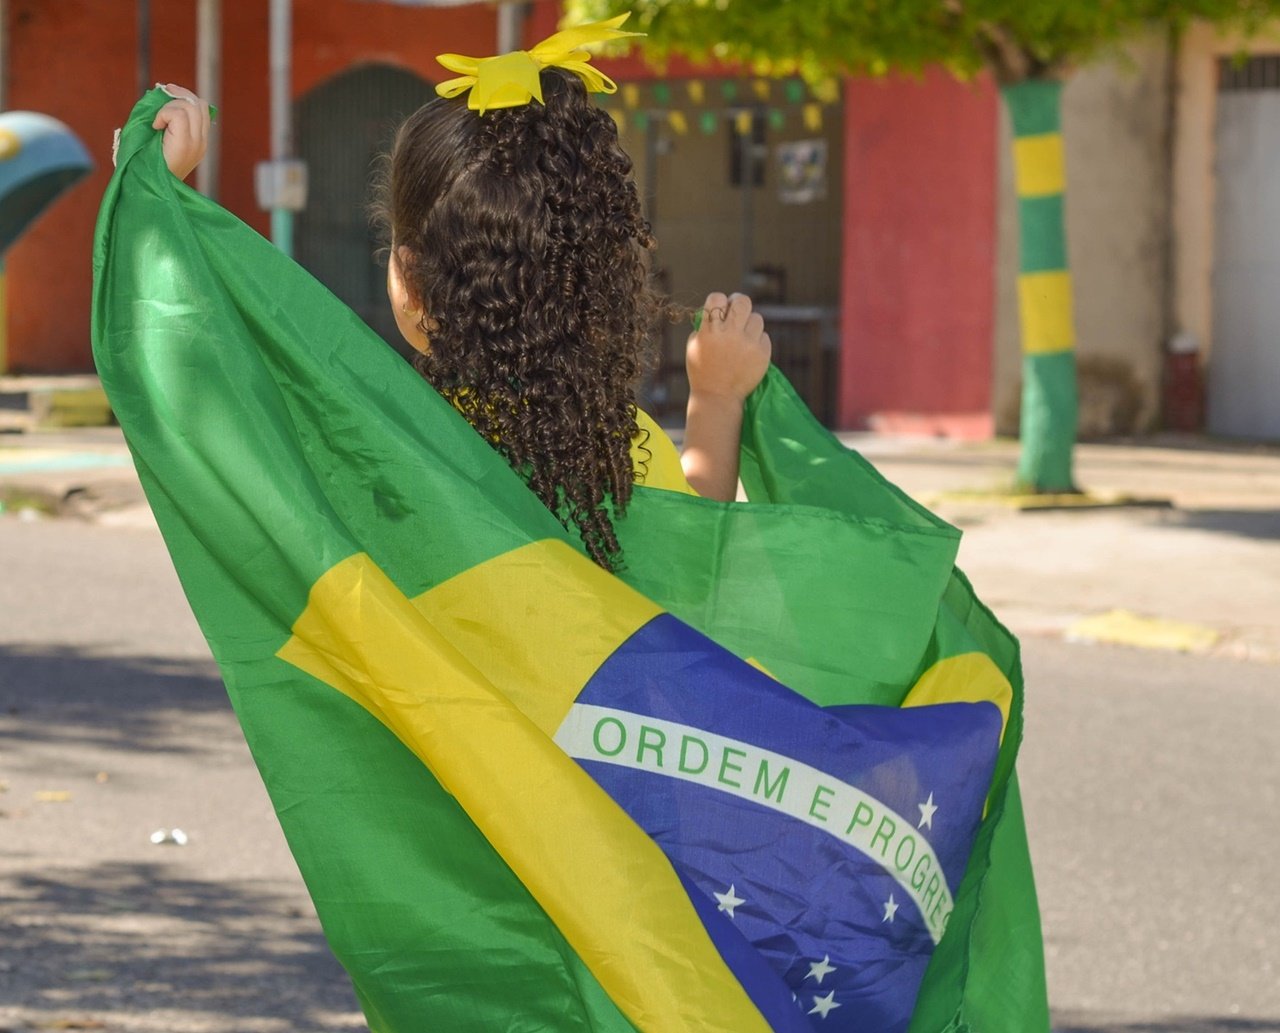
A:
<point x="1049" y="397"/>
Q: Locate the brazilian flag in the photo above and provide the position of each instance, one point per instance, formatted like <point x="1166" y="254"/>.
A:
<point x="763" y="779"/>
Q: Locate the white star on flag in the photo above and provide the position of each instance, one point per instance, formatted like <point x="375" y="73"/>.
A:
<point x="926" y="812"/>
<point x="819" y="969"/>
<point x="728" y="901"/>
<point x="822" y="1005"/>
<point x="890" y="909"/>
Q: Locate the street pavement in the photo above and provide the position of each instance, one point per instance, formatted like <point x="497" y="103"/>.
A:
<point x="1151" y="777"/>
<point x="114" y="726"/>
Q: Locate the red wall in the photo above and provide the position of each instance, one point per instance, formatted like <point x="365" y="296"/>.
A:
<point x="67" y="60"/>
<point x="920" y="174"/>
<point x="918" y="292"/>
<point x="331" y="37"/>
<point x="75" y="60"/>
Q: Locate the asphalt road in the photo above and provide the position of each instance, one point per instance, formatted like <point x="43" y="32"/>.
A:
<point x="108" y="696"/>
<point x="1151" y="781"/>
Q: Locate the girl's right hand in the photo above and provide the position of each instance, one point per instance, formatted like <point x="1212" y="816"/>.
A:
<point x="185" y="121"/>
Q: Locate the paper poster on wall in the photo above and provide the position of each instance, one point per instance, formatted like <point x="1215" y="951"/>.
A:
<point x="802" y="171"/>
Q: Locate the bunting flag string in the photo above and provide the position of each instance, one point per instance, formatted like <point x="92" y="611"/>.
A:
<point x="779" y="103"/>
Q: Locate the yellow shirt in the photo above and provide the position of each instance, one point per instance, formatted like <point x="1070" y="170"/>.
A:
<point x="655" y="459"/>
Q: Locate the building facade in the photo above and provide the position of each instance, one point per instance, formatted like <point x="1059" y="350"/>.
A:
<point x="879" y="306"/>
<point x="875" y="224"/>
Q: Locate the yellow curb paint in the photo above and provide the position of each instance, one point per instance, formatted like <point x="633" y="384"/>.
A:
<point x="1071" y="500"/>
<point x="1044" y="302"/>
<point x="1125" y="628"/>
<point x="1066" y="500"/>
<point x="1039" y="168"/>
<point x="33" y="455"/>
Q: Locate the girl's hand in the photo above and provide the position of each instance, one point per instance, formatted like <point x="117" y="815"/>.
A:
<point x="185" y="121"/>
<point x="728" y="355"/>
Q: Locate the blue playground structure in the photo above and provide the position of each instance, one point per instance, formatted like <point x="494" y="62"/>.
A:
<point x="39" y="159"/>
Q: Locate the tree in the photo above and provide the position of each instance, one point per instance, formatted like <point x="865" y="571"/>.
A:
<point x="1030" y="47"/>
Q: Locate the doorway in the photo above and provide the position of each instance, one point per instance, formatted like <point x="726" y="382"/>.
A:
<point x="344" y="127"/>
<point x="1244" y="364"/>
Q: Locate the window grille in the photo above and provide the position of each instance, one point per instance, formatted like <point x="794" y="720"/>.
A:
<point x="1260" y="72"/>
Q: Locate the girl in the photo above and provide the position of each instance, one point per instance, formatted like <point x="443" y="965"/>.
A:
<point x="517" y="273"/>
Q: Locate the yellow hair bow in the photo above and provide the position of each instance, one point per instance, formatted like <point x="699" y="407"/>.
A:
<point x="510" y="80"/>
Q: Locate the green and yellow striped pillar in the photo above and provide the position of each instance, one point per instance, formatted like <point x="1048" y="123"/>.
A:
<point x="1049" y="395"/>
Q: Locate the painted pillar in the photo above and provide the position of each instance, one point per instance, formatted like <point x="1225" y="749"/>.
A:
<point x="511" y="16"/>
<point x="143" y="70"/>
<point x="1050" y="405"/>
<point x="281" y="66"/>
<point x="209" y="85"/>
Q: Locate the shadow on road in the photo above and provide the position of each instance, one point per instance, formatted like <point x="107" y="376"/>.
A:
<point x="1177" y="1024"/>
<point x="141" y="940"/>
<point x="1259" y="524"/>
<point x="135" y="703"/>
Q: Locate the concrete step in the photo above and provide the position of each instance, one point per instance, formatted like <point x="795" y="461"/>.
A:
<point x="30" y="403"/>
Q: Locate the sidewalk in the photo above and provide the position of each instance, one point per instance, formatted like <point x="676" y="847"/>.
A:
<point x="1202" y="575"/>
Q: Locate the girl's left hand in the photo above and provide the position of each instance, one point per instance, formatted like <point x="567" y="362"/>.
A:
<point x="727" y="356"/>
<point x="185" y="121"/>
<point x="729" y="353"/>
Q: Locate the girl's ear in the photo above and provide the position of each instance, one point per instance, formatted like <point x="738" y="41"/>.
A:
<point x="402" y="259"/>
<point x="413" y="323"/>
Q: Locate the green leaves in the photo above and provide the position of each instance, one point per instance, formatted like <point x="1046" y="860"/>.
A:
<point x="1014" y="39"/>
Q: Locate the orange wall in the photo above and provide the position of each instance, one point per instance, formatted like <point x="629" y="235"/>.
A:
<point x="918" y="293"/>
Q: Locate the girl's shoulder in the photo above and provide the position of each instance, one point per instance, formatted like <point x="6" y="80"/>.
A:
<point x="655" y="458"/>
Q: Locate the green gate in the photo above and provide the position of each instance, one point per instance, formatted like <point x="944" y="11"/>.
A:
<point x="343" y="127"/>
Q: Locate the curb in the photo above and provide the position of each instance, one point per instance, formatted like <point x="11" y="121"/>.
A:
<point x="1051" y="503"/>
<point x="30" y="403"/>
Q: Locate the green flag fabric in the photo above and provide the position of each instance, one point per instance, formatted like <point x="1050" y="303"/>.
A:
<point x="404" y="631"/>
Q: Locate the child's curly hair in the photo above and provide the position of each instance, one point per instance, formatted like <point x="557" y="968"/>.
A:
<point x="525" y="242"/>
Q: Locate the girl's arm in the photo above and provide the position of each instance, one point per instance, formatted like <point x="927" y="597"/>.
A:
<point x="185" y="121"/>
<point x="727" y="356"/>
